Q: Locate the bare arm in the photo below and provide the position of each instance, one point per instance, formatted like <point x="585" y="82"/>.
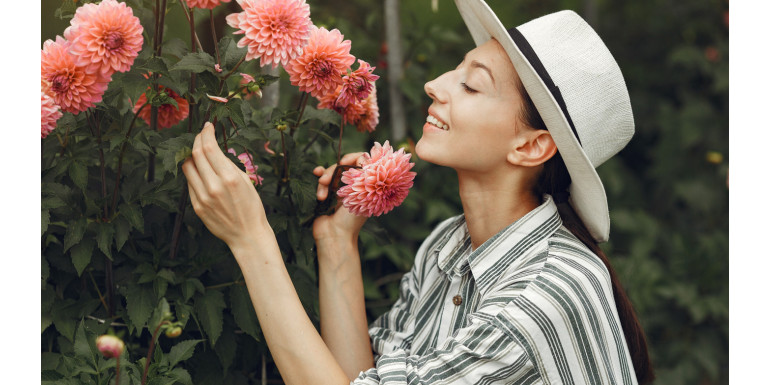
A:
<point x="341" y="290"/>
<point x="225" y="200"/>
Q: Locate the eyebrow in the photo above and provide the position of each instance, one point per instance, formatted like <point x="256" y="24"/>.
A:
<point x="477" y="64"/>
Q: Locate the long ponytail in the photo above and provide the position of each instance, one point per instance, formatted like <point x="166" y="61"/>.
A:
<point x="554" y="180"/>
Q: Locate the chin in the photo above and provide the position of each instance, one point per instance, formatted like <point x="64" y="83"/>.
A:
<point x="425" y="151"/>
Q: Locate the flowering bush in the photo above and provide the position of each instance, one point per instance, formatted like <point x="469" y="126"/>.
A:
<point x="123" y="254"/>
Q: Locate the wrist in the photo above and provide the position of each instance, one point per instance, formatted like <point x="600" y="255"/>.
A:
<point x="257" y="243"/>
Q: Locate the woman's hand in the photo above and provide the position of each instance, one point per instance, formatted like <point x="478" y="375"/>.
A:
<point x="222" y="195"/>
<point x="342" y="225"/>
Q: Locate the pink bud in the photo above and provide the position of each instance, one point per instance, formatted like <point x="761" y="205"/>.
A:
<point x="110" y="346"/>
<point x="217" y="98"/>
<point x="217" y="68"/>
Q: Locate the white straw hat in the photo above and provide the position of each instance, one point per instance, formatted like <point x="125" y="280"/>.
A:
<point x="578" y="89"/>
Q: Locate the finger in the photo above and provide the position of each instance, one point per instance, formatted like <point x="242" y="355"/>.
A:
<point x="318" y="171"/>
<point x="219" y="162"/>
<point x="194" y="182"/>
<point x="202" y="165"/>
<point x="351" y="158"/>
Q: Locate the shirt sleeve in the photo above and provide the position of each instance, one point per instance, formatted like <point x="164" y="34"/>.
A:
<point x="481" y="353"/>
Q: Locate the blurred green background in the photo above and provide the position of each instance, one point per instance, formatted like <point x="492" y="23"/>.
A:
<point x="667" y="190"/>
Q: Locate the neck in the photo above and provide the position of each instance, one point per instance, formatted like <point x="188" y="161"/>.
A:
<point x="492" y="202"/>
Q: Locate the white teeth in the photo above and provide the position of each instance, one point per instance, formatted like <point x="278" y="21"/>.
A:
<point x="432" y="120"/>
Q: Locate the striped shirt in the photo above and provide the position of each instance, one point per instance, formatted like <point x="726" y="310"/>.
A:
<point x="532" y="305"/>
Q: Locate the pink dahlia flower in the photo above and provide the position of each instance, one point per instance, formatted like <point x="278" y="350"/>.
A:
<point x="49" y="111"/>
<point x="357" y="85"/>
<point x="106" y="37"/>
<point x="274" y="30"/>
<point x="324" y="60"/>
<point x="110" y="346"/>
<point x="208" y="4"/>
<point x="251" y="168"/>
<point x="73" y="87"/>
<point x="370" y="118"/>
<point x="364" y="114"/>
<point x="381" y="184"/>
<point x="168" y="115"/>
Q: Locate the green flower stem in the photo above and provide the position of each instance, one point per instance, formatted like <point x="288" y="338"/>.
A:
<point x="120" y="159"/>
<point x="214" y="35"/>
<point x="285" y="178"/>
<point x="302" y="103"/>
<point x="150" y="350"/>
<point x="226" y="284"/>
<point x="101" y="297"/>
<point x="191" y="19"/>
<point x="193" y="48"/>
<point x="117" y="370"/>
<point x="339" y="145"/>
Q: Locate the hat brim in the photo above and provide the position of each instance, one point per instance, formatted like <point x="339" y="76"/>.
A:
<point x="587" y="195"/>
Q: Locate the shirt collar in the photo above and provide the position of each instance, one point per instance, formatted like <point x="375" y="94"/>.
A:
<point x="493" y="257"/>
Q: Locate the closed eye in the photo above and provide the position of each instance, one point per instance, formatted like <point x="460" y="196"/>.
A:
<point x="468" y="89"/>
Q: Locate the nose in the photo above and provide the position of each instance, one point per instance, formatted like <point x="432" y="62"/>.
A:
<point x="434" y="90"/>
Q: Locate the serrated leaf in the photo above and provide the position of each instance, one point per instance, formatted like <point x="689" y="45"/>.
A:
<point x="181" y="376"/>
<point x="176" y="47"/>
<point x="179" y="156"/>
<point x="140" y="301"/>
<point x="181" y="351"/>
<point x="190" y="286"/>
<point x="209" y="308"/>
<point x="225" y="349"/>
<point x="105" y="233"/>
<point x="81" y="254"/>
<point x="85" y="345"/>
<point x="134" y="85"/>
<point x="52" y="202"/>
<point x="243" y="311"/>
<point x="50" y="375"/>
<point x="323" y="115"/>
<point x="75" y="231"/>
<point x="133" y="215"/>
<point x="78" y="172"/>
<point x="161" y="381"/>
<point x="156" y="65"/>
<point x="122" y="231"/>
<point x="63" y="313"/>
<point x="196" y="62"/>
<point x="169" y="151"/>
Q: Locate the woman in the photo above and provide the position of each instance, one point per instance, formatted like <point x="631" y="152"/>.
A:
<point x="515" y="290"/>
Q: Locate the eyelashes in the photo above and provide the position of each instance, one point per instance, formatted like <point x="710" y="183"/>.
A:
<point x="468" y="89"/>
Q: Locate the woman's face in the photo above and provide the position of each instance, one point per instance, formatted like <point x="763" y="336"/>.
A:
<point x="472" y="121"/>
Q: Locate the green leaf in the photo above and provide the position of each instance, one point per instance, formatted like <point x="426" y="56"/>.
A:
<point x="45" y="220"/>
<point x="50" y="375"/>
<point x="174" y="150"/>
<point x="78" y="173"/>
<point x="181" y="352"/>
<point x="226" y="348"/>
<point x="122" y="231"/>
<point x="52" y="202"/>
<point x="209" y="308"/>
<point x="47" y="297"/>
<point x="196" y="62"/>
<point x="176" y="47"/>
<point x="155" y="65"/>
<point x="63" y="313"/>
<point x="134" y="85"/>
<point x="75" y="231"/>
<point x="140" y="301"/>
<point x="181" y="376"/>
<point x="105" y="233"/>
<point x="323" y="115"/>
<point x="133" y="215"/>
<point x="243" y="311"/>
<point x="231" y="53"/>
<point x="85" y="345"/>
<point x="81" y="254"/>
<point x="190" y="286"/>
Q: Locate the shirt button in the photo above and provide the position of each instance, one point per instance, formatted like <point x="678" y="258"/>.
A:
<point x="457" y="300"/>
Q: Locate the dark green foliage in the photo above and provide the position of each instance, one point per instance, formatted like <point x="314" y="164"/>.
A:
<point x="667" y="192"/>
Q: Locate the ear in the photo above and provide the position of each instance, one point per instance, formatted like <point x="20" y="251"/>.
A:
<point x="532" y="149"/>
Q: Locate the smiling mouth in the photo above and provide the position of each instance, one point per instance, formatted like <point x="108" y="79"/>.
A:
<point x="434" y="121"/>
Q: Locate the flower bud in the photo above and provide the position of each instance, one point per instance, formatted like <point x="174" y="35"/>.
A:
<point x="281" y="126"/>
<point x="173" y="332"/>
<point x="110" y="346"/>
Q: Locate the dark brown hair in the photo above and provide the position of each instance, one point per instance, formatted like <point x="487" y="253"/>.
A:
<point x="554" y="180"/>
